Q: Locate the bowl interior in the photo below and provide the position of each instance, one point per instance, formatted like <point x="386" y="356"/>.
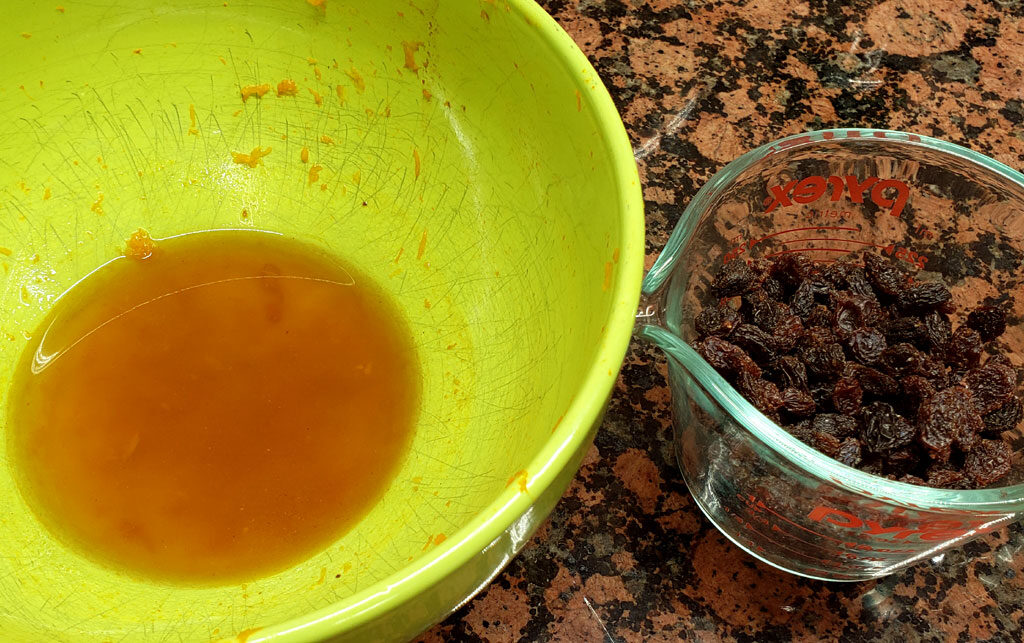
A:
<point x="452" y="155"/>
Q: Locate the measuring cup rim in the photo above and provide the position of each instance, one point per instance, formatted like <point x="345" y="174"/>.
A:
<point x="997" y="500"/>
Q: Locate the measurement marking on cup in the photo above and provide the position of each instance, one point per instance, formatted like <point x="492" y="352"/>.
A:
<point x="792" y="250"/>
<point x="858" y="241"/>
<point x="750" y="243"/>
<point x="755" y="503"/>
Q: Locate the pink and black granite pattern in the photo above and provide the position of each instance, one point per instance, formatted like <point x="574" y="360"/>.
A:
<point x="626" y="554"/>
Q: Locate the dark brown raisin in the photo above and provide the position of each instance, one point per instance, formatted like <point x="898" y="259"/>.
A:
<point x="718" y="321"/>
<point x="854" y="311"/>
<point x="910" y="330"/>
<point x="846" y="275"/>
<point x="755" y="341"/>
<point x="883" y="430"/>
<point x="809" y="293"/>
<point x="847" y="395"/>
<point x="866" y="345"/>
<point x="789" y="372"/>
<point x="761" y="310"/>
<point x="1005" y="418"/>
<point x="964" y="348"/>
<point x="761" y="393"/>
<point x="820" y="316"/>
<point x="801" y="430"/>
<point x="911" y="479"/>
<point x="841" y="426"/>
<point x="824" y="361"/>
<point x="798" y="402"/>
<point x="903" y="358"/>
<point x="924" y="295"/>
<point x="788" y="331"/>
<point x="875" y="382"/>
<point x="991" y="385"/>
<point x="884" y="276"/>
<point x="946" y="418"/>
<point x="945" y="478"/>
<point x="774" y="289"/>
<point x="903" y="459"/>
<point x="989" y="321"/>
<point x="849" y="452"/>
<point x="937" y="329"/>
<point x="822" y="395"/>
<point x="790" y="269"/>
<point x="916" y="389"/>
<point x="988" y="462"/>
<point x="826" y="443"/>
<point x="873" y="465"/>
<point x="734" y="278"/>
<point x="725" y="357"/>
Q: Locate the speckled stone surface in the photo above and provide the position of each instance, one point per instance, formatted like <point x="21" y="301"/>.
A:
<point x="626" y="555"/>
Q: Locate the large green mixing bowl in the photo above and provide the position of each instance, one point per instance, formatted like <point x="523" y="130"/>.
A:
<point x="465" y="153"/>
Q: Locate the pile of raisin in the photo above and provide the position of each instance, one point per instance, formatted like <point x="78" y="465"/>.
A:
<point x="861" y="362"/>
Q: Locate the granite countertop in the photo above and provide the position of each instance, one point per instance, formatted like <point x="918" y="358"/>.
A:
<point x="626" y="555"/>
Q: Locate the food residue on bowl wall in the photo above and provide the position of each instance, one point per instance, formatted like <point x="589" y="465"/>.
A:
<point x="287" y="87"/>
<point x="253" y="158"/>
<point x="254" y="90"/>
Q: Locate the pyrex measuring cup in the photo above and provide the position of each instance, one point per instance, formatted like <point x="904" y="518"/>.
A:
<point x="952" y="213"/>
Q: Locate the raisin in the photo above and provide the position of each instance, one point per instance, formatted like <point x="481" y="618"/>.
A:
<point x="946" y="418"/>
<point x="846" y="275"/>
<point x="788" y="331"/>
<point x="988" y="462"/>
<point x="847" y="395"/>
<point x="725" y="357"/>
<point x="903" y="459"/>
<point x="990" y="385"/>
<point x="989" y="321"/>
<point x="882" y="429"/>
<point x="1005" y="418"/>
<point x="853" y="312"/>
<point x="826" y="443"/>
<point x="866" y="345"/>
<point x="734" y="278"/>
<point x="789" y="372"/>
<point x="761" y="393"/>
<point x="761" y="310"/>
<point x="911" y="479"/>
<point x="963" y="348"/>
<point x="937" y="329"/>
<point x="875" y="382"/>
<point x="755" y="341"/>
<point x="849" y="452"/>
<point x="824" y="360"/>
<point x="798" y="402"/>
<point x="774" y="289"/>
<point x="822" y="396"/>
<point x="841" y="426"/>
<point x="790" y="269"/>
<point x="873" y="465"/>
<point x="916" y="389"/>
<point x="809" y="293"/>
<point x="718" y="321"/>
<point x="884" y="276"/>
<point x="820" y="316"/>
<point x="902" y="359"/>
<point x="909" y="330"/>
<point x="946" y="478"/>
<point x="801" y="430"/>
<point x="925" y="295"/>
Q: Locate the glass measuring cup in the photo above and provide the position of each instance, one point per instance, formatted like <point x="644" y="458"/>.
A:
<point x="948" y="211"/>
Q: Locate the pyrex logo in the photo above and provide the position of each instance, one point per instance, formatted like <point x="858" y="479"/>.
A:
<point x="885" y="193"/>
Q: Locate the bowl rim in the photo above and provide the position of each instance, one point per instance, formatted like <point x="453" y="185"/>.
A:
<point x="585" y="408"/>
<point x="997" y="500"/>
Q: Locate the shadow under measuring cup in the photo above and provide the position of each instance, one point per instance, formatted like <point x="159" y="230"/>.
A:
<point x="949" y="213"/>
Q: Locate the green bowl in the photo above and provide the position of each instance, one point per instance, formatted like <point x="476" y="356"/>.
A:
<point x="463" y="153"/>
